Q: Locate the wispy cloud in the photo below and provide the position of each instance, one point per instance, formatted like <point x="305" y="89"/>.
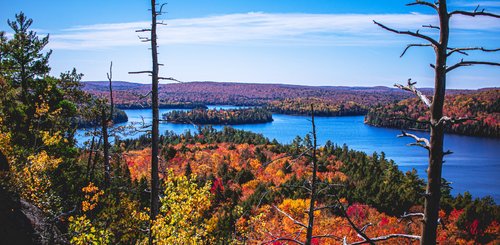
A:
<point x="263" y="28"/>
<point x="494" y="4"/>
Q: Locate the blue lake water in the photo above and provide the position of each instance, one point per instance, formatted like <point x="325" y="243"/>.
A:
<point x="474" y="166"/>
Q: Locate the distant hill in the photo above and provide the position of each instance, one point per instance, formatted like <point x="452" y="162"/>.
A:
<point x="132" y="95"/>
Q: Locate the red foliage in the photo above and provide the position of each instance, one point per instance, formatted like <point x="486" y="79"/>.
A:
<point x="315" y="241"/>
<point x="357" y="210"/>
<point x="474" y="228"/>
<point x="217" y="186"/>
<point x="384" y="221"/>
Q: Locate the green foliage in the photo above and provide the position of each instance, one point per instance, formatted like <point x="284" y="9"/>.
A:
<point x="224" y="117"/>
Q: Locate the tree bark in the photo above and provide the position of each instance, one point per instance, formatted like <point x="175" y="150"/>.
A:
<point x="312" y="205"/>
<point x="434" y="171"/>
<point x="107" y="177"/>
<point x="155" y="132"/>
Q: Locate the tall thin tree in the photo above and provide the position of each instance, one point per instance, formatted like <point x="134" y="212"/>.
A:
<point x="437" y="122"/>
<point x="107" y="118"/>
<point x="155" y="180"/>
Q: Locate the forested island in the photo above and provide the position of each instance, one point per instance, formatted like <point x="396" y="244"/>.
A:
<point x="119" y="116"/>
<point x="482" y="108"/>
<point x="220" y="116"/>
<point x="322" y="107"/>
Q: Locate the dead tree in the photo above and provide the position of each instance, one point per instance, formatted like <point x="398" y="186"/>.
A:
<point x="155" y="180"/>
<point x="438" y="120"/>
<point x="309" y="227"/>
<point x="107" y="119"/>
<point x="314" y="182"/>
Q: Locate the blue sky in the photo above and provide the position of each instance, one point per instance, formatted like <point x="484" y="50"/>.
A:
<point x="308" y="42"/>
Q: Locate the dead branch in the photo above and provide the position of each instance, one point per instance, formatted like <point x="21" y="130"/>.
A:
<point x="432" y="27"/>
<point x="290" y="217"/>
<point x="461" y="50"/>
<point x="414" y="45"/>
<point x="422" y="142"/>
<point x="410" y="215"/>
<point x="169" y="79"/>
<point x="363" y="229"/>
<point x="328" y="236"/>
<point x="444" y="120"/>
<point x="423" y="3"/>
<point x="474" y="13"/>
<point x="384" y="238"/>
<point x="470" y="63"/>
<point x="140" y="72"/>
<point x="411" y="87"/>
<point x="351" y="223"/>
<point x="409" y="33"/>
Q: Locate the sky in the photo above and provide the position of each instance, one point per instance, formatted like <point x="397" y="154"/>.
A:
<point x="305" y="42"/>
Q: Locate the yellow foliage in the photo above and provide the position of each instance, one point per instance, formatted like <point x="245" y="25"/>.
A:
<point x="51" y="139"/>
<point x="181" y="218"/>
<point x="33" y="178"/>
<point x="83" y="232"/>
<point x="92" y="194"/>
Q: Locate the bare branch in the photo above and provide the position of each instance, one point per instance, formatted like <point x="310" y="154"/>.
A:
<point x="144" y="96"/>
<point x="423" y="142"/>
<point x="328" y="236"/>
<point x="414" y="45"/>
<point x="161" y="9"/>
<point x="444" y="120"/>
<point x="290" y="217"/>
<point x="460" y="50"/>
<point x="143" y="30"/>
<point x="410" y="33"/>
<point x="470" y="63"/>
<point x="363" y="229"/>
<point x="432" y="26"/>
<point x="140" y="72"/>
<point x="351" y="223"/>
<point x="448" y="152"/>
<point x="474" y="13"/>
<point x="169" y="79"/>
<point x="423" y="3"/>
<point x="385" y="238"/>
<point x="410" y="215"/>
<point x="410" y="87"/>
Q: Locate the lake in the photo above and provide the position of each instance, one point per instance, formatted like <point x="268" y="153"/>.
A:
<point x="474" y="166"/>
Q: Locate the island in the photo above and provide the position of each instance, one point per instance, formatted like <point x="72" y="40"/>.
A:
<point x="220" y="117"/>
<point x="119" y="116"/>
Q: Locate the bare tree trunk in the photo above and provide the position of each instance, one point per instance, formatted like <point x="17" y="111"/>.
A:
<point x="107" y="178"/>
<point x="89" y="162"/>
<point x="106" y="120"/>
<point x="434" y="171"/>
<point x="312" y="205"/>
<point x="155" y="201"/>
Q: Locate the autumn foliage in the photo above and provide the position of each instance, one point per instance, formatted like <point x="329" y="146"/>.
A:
<point x="482" y="107"/>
